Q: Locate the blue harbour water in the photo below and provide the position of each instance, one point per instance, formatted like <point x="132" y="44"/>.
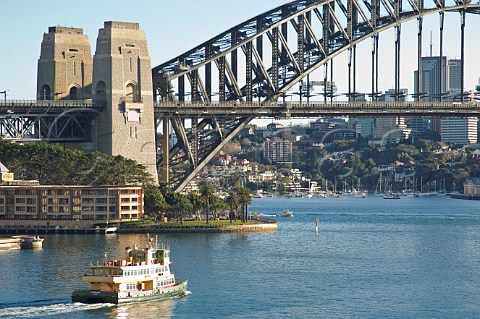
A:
<point x="372" y="258"/>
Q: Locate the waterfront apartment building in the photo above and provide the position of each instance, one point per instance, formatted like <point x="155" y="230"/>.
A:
<point x="60" y="202"/>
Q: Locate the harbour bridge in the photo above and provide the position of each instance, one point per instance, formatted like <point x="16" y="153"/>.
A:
<point x="256" y="65"/>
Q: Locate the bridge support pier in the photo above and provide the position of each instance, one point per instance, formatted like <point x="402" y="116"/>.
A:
<point x="164" y="176"/>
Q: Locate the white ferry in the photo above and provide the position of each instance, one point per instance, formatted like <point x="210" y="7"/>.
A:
<point x="143" y="275"/>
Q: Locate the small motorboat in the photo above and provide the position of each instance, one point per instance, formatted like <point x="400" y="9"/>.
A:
<point x="286" y="213"/>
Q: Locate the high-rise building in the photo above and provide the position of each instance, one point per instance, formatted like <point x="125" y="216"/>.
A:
<point x="455" y="75"/>
<point x="277" y="150"/>
<point x="458" y="130"/>
<point x="391" y="129"/>
<point x="430" y="90"/>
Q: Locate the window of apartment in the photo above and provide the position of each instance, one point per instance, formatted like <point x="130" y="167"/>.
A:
<point x="63" y="201"/>
<point x="101" y="192"/>
<point x="101" y="208"/>
<point x="100" y="217"/>
<point x="88" y="209"/>
<point x="53" y="201"/>
<point x="112" y="209"/>
<point x="31" y="209"/>
<point x="125" y="208"/>
<point x="31" y="201"/>
<point x="88" y="200"/>
<point x="53" y="209"/>
<point x="101" y="201"/>
<point x="125" y="200"/>
<point x="2" y="201"/>
<point x="63" y="209"/>
<point x="20" y="200"/>
<point x="20" y="208"/>
<point x="112" y="200"/>
<point x="124" y="191"/>
<point x="113" y="192"/>
<point x="87" y="192"/>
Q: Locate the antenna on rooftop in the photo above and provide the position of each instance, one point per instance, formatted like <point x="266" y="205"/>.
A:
<point x="431" y="44"/>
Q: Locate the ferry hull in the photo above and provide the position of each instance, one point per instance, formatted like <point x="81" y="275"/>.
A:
<point x="92" y="296"/>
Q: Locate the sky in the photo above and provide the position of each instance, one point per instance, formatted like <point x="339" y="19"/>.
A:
<point x="173" y="27"/>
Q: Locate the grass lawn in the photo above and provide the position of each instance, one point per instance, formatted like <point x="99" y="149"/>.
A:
<point x="190" y="223"/>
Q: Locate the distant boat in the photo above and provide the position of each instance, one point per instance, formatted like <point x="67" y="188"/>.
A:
<point x="391" y="196"/>
<point x="286" y="213"/>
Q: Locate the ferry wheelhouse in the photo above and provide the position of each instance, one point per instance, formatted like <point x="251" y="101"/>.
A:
<point x="144" y="274"/>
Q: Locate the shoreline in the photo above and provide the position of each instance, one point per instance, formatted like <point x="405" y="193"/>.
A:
<point x="79" y="227"/>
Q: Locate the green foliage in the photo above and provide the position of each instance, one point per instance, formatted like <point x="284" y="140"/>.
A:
<point x="52" y="164"/>
<point x="154" y="201"/>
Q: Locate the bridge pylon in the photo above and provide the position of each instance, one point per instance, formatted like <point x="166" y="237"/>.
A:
<point x="65" y="65"/>
<point x="122" y="80"/>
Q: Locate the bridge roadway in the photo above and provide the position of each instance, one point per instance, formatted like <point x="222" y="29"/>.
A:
<point x="12" y="108"/>
<point x="46" y="107"/>
<point x="315" y="109"/>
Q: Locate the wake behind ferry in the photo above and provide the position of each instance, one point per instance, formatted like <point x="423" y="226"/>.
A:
<point x="144" y="274"/>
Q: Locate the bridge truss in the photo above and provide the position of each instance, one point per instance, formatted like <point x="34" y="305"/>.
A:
<point x="266" y="56"/>
<point x="52" y="121"/>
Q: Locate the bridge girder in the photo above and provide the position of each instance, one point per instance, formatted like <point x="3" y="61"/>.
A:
<point x="52" y="121"/>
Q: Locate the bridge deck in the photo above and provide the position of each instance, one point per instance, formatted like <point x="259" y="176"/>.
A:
<point x="312" y="109"/>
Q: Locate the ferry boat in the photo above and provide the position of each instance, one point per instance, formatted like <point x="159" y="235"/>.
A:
<point x="144" y="274"/>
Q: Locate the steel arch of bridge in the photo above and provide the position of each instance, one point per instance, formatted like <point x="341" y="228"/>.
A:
<point x="342" y="25"/>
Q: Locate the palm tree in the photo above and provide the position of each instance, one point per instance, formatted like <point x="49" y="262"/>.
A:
<point x="232" y="202"/>
<point x="245" y="199"/>
<point x="206" y="191"/>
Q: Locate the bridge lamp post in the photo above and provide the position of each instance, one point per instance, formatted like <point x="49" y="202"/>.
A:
<point x="4" y="95"/>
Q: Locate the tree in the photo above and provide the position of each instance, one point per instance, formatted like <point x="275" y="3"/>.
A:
<point x="196" y="201"/>
<point x="180" y="207"/>
<point x="233" y="202"/>
<point x="206" y="192"/>
<point x="154" y="201"/>
<point x="245" y="199"/>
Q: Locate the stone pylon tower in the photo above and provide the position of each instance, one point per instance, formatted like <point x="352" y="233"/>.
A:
<point x="65" y="65"/>
<point x="122" y="79"/>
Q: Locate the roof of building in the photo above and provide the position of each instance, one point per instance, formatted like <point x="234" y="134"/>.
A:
<point x="3" y="168"/>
